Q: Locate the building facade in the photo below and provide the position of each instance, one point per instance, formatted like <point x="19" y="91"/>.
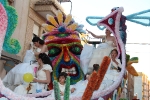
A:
<point x="31" y="16"/>
<point x="141" y="86"/>
<point x="130" y="87"/>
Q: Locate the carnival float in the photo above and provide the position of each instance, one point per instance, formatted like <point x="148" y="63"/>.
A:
<point x="63" y="39"/>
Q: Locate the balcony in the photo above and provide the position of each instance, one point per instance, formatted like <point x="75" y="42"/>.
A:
<point x="44" y="7"/>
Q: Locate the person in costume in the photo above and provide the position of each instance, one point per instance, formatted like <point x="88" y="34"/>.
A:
<point x="44" y="70"/>
<point x="62" y="78"/>
<point x="62" y="84"/>
<point x="41" y="47"/>
<point x="29" y="65"/>
<point x="113" y="70"/>
<point x="104" y="48"/>
<point x="114" y="67"/>
<point x="43" y="76"/>
<point x="81" y="85"/>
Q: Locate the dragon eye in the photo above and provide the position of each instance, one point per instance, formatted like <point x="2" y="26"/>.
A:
<point x="54" y="51"/>
<point x="76" y="50"/>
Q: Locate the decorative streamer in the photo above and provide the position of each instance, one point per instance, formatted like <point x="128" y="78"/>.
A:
<point x="67" y="89"/>
<point x="3" y="25"/>
<point x="10" y="45"/>
<point x="102" y="71"/>
<point x="129" y="66"/>
<point x="96" y="79"/>
<point x="56" y="90"/>
<point x="90" y="87"/>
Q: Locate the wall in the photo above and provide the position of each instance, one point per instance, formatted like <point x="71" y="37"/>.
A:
<point x="22" y="8"/>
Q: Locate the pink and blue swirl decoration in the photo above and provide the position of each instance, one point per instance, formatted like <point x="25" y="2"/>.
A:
<point x="3" y="25"/>
<point x="10" y="21"/>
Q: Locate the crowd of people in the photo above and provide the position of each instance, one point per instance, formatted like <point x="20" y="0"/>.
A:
<point x="42" y="69"/>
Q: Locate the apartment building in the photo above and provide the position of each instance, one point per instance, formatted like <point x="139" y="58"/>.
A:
<point x="141" y="86"/>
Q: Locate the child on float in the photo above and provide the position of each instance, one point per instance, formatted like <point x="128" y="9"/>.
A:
<point x="62" y="83"/>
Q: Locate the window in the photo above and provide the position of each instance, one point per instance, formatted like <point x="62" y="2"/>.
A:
<point x="36" y="29"/>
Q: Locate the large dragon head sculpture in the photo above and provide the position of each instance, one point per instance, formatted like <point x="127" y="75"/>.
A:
<point x="64" y="45"/>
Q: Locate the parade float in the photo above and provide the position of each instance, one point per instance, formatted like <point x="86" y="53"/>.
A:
<point x="64" y="44"/>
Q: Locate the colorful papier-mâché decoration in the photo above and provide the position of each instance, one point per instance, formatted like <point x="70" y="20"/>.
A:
<point x="64" y="45"/>
<point x="139" y="18"/>
<point x="11" y="46"/>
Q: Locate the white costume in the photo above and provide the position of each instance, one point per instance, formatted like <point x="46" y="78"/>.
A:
<point x="62" y="88"/>
<point x="109" y="78"/>
<point x="85" y="57"/>
<point x="41" y="75"/>
<point x="102" y="50"/>
<point x="112" y="73"/>
<point x="15" y="75"/>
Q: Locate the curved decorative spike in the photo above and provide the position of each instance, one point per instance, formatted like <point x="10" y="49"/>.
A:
<point x="73" y="26"/>
<point x="101" y="27"/>
<point x="92" y="20"/>
<point x="60" y="17"/>
<point x="140" y="18"/>
<point x="52" y="20"/>
<point x="68" y="19"/>
<point x="49" y="28"/>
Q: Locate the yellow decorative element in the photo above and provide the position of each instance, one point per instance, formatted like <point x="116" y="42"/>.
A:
<point x="49" y="38"/>
<point x="60" y="17"/>
<point x="119" y="91"/>
<point x="64" y="45"/>
<point x="83" y="37"/>
<point x="48" y="28"/>
<point x="52" y="20"/>
<point x="109" y="99"/>
<point x="73" y="26"/>
<point x="131" y="62"/>
<point x="74" y="36"/>
<point x="68" y="19"/>
<point x="55" y="78"/>
<point x="28" y="77"/>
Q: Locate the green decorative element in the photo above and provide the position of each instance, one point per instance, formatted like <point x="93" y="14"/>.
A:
<point x="127" y="57"/>
<point x="10" y="45"/>
<point x="56" y="90"/>
<point x="54" y="50"/>
<point x="77" y="49"/>
<point x="134" y="59"/>
<point x="62" y="35"/>
<point x="67" y="89"/>
<point x="123" y="99"/>
<point x="131" y="60"/>
<point x="59" y="45"/>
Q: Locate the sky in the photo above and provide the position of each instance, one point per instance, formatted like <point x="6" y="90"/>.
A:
<point x="135" y="33"/>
